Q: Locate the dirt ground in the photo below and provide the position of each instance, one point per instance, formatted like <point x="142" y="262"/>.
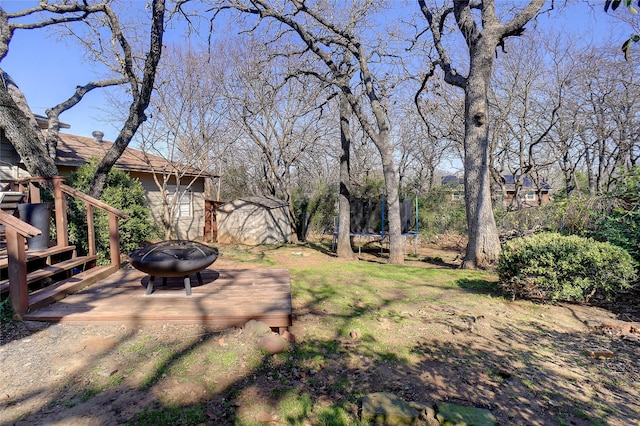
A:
<point x="568" y="355"/>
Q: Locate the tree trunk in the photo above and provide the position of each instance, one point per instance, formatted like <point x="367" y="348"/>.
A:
<point x="484" y="246"/>
<point x="396" y="249"/>
<point x="139" y="104"/>
<point x="21" y="129"/>
<point x="344" y="249"/>
<point x="292" y="217"/>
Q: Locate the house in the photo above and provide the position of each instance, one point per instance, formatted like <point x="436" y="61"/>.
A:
<point x="454" y="185"/>
<point x="74" y="151"/>
<point x="254" y="220"/>
<point x="529" y="194"/>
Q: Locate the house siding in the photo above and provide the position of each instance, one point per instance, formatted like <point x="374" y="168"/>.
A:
<point x="184" y="228"/>
<point x="9" y="161"/>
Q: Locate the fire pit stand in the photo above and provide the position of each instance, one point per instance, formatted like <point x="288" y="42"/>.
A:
<point x="173" y="258"/>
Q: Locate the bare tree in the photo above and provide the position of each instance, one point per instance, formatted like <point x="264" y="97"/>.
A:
<point x="140" y="89"/>
<point x="16" y="118"/>
<point x="343" y="243"/>
<point x="527" y="95"/>
<point x="431" y="133"/>
<point x="184" y="152"/>
<point x="483" y="33"/>
<point x="279" y="115"/>
<point x="608" y="96"/>
<point x="329" y="31"/>
<point x="21" y="131"/>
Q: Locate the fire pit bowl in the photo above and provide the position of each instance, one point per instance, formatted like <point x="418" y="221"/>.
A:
<point x="173" y="258"/>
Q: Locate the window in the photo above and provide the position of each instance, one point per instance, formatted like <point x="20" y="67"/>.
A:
<point x="529" y="196"/>
<point x="182" y="199"/>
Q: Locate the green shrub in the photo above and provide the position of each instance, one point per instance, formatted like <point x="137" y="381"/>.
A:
<point x="321" y="209"/>
<point x="438" y="214"/>
<point x="121" y="192"/>
<point x="550" y="266"/>
<point x="619" y="221"/>
<point x="6" y="311"/>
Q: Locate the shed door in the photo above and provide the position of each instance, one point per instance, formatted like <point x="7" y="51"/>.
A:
<point x="210" y="220"/>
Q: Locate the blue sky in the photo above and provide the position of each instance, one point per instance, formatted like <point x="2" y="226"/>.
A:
<point x="47" y="71"/>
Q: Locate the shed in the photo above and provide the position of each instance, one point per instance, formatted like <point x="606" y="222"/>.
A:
<point x="254" y="220"/>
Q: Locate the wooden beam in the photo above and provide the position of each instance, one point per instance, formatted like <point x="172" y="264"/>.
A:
<point x="17" y="271"/>
<point x="114" y="239"/>
<point x="17" y="225"/>
<point x="89" y="199"/>
<point x="62" y="226"/>
<point x="91" y="235"/>
<point x="34" y="194"/>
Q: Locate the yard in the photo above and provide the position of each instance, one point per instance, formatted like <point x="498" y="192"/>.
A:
<point x="426" y="332"/>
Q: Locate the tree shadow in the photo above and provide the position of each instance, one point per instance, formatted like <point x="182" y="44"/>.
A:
<point x="521" y="368"/>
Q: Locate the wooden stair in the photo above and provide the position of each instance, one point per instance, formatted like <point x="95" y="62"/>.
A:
<point x="58" y="265"/>
<point x="30" y="280"/>
<point x="58" y="291"/>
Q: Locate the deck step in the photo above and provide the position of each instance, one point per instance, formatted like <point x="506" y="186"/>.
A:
<point x="35" y="255"/>
<point x="58" y="291"/>
<point x="51" y="270"/>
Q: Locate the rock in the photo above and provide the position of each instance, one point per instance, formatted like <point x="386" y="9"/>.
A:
<point x="288" y="336"/>
<point x="632" y="338"/>
<point x="356" y="334"/>
<point x="108" y="372"/>
<point x="272" y="343"/>
<point x="459" y="415"/>
<point x="256" y="329"/>
<point x="429" y="417"/>
<point x="265" y="417"/>
<point x="599" y="353"/>
<point x="427" y="413"/>
<point x="388" y="409"/>
<point x="504" y="373"/>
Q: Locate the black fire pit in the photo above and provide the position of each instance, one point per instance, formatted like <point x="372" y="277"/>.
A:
<point x="173" y="258"/>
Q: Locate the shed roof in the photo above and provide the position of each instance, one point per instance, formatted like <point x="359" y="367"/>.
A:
<point x="262" y="201"/>
<point x="265" y="201"/>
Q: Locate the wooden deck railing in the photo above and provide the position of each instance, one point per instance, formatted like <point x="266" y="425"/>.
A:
<point x="18" y="230"/>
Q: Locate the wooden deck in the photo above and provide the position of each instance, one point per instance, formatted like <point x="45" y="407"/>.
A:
<point x="227" y="297"/>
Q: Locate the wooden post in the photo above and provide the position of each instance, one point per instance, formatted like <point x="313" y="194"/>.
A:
<point x="61" y="212"/>
<point x="17" y="271"/>
<point x="91" y="234"/>
<point x="114" y="239"/>
<point x="34" y="193"/>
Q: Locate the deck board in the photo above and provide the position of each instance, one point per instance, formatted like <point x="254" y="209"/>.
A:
<point x="226" y="298"/>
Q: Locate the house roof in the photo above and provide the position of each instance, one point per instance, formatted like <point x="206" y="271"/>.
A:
<point x="510" y="180"/>
<point x="452" y="180"/>
<point x="43" y="122"/>
<point x="74" y="151"/>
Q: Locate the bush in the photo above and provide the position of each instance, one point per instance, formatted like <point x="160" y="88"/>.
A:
<point x="619" y="221"/>
<point x="552" y="267"/>
<point x="121" y="192"/>
<point x="437" y="214"/>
